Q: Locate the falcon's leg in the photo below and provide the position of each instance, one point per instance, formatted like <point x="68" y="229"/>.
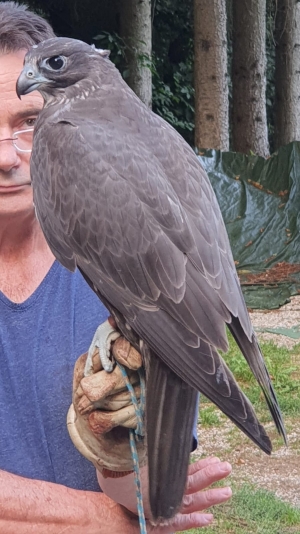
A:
<point x="102" y="339"/>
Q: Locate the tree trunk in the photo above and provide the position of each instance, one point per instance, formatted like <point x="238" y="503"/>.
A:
<point x="136" y="30"/>
<point x="211" y="85"/>
<point x="249" y="117"/>
<point x="287" y="72"/>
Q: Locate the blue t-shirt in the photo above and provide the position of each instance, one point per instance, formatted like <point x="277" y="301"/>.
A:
<point x="40" y="340"/>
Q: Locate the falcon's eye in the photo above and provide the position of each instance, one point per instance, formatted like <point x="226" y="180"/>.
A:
<point x="56" y="62"/>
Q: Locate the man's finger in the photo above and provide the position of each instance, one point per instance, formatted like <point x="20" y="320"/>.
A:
<point x="202" y="500"/>
<point x="200" y="464"/>
<point x="183" y="522"/>
<point x="207" y="476"/>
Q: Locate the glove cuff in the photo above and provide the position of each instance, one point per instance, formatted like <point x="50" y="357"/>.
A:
<point x="107" y="473"/>
<point x="110" y="458"/>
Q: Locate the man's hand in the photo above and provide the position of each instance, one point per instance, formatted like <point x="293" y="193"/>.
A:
<point x="201" y="475"/>
<point x="197" y="498"/>
<point x="102" y="411"/>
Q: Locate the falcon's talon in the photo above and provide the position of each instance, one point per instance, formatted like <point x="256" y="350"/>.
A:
<point x="103" y="337"/>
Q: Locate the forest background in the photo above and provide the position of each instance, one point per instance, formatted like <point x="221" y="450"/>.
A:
<point x="224" y="73"/>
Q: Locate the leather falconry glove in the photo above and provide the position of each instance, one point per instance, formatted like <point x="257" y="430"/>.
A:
<point x="102" y="412"/>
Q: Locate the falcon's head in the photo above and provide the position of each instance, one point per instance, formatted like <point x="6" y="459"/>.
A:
<point x="55" y="64"/>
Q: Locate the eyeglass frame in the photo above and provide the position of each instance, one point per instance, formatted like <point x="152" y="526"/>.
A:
<point x="13" y="139"/>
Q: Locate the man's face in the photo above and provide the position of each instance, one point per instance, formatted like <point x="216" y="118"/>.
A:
<point x="15" y="115"/>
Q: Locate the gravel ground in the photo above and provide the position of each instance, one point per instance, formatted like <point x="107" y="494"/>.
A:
<point x="286" y="316"/>
<point x="279" y="473"/>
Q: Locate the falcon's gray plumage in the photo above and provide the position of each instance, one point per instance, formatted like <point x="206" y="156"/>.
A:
<point x="121" y="195"/>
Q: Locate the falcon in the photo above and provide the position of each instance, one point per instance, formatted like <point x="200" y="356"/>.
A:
<point x="122" y="197"/>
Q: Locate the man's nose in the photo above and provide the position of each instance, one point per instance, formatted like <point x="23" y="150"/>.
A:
<point x="9" y="157"/>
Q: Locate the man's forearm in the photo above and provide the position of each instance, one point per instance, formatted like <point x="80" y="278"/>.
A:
<point x="38" y="507"/>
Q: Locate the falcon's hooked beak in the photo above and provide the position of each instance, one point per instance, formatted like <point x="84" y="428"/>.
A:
<point x="29" y="80"/>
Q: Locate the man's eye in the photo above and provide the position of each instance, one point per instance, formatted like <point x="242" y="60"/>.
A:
<point x="30" y="122"/>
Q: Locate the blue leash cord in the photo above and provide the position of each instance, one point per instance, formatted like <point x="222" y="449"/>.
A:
<point x="135" y="436"/>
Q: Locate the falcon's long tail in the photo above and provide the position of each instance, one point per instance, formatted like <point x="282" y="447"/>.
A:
<point x="170" y="416"/>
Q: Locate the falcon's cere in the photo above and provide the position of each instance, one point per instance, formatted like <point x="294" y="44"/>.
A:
<point x="120" y="195"/>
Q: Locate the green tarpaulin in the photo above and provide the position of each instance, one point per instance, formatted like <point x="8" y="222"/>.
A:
<point x="260" y="203"/>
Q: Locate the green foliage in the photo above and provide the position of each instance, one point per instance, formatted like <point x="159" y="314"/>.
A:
<point x="173" y="57"/>
<point x="173" y="99"/>
<point x="116" y="45"/>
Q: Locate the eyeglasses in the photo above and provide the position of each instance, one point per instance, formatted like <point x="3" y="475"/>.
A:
<point x="22" y="140"/>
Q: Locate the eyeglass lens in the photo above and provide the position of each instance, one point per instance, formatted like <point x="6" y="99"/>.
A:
<point x="23" y="140"/>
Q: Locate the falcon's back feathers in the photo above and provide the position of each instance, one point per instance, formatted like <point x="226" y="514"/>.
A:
<point x="121" y="195"/>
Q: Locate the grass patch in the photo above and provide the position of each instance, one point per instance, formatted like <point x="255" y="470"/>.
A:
<point x="283" y="370"/>
<point x="252" y="511"/>
<point x="209" y="417"/>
